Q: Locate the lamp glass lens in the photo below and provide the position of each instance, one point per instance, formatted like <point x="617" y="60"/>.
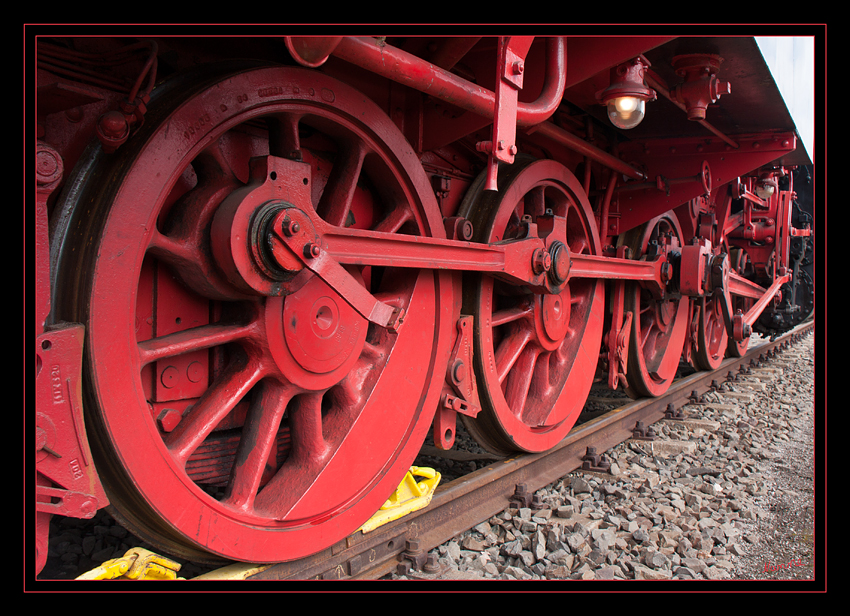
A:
<point x="626" y="111"/>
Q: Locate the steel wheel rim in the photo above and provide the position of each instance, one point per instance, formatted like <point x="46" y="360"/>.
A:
<point x="343" y="488"/>
<point x="535" y="355"/>
<point x="659" y="325"/>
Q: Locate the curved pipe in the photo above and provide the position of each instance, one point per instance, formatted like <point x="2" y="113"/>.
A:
<point x="375" y="55"/>
<point x="405" y="68"/>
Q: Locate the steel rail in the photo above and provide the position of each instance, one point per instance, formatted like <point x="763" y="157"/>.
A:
<point x="461" y="504"/>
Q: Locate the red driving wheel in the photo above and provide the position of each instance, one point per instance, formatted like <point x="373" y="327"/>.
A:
<point x="659" y="324"/>
<point x="535" y="355"/>
<point x="711" y="340"/>
<point x="232" y="423"/>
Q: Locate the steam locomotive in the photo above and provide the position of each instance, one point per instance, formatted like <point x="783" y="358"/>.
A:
<point x="268" y="267"/>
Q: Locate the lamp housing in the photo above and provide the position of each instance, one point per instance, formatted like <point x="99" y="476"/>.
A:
<point x="626" y="96"/>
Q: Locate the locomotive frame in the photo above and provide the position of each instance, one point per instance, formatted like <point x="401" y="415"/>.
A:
<point x="261" y="283"/>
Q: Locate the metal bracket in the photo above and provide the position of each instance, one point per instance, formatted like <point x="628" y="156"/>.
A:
<point x="673" y="413"/>
<point x="620" y="332"/>
<point x="592" y="461"/>
<point x="62" y="450"/>
<point x="643" y="433"/>
<point x="511" y="64"/>
<point x="461" y="377"/>
<point x="524" y="498"/>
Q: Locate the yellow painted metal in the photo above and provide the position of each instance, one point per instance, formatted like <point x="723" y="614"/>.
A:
<point x="236" y="571"/>
<point x="140" y="564"/>
<point x="136" y="564"/>
<point x="411" y="495"/>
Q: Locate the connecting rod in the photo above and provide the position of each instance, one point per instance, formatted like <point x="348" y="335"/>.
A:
<point x="542" y="264"/>
<point x="287" y="239"/>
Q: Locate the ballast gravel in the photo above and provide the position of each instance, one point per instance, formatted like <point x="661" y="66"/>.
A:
<point x="733" y="499"/>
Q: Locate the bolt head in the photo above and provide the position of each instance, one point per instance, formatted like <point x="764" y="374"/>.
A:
<point x="666" y="272"/>
<point x="459" y="371"/>
<point x="290" y="227"/>
<point x="541" y="261"/>
<point x="168" y="419"/>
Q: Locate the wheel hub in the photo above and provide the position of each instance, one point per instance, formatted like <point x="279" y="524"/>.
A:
<point x="322" y="332"/>
<point x="243" y="223"/>
<point x="554" y="313"/>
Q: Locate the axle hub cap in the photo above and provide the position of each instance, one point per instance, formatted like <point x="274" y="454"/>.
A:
<point x="322" y="331"/>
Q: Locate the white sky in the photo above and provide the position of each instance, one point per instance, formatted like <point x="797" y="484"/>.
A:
<point x="792" y="62"/>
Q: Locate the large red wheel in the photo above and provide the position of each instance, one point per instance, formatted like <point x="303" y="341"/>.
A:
<point x="659" y="324"/>
<point x="535" y="355"/>
<point x="711" y="337"/>
<point x="231" y="423"/>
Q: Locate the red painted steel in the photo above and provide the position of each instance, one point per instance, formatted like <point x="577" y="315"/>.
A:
<point x="285" y="276"/>
<point x="659" y="315"/>
<point x="536" y="354"/>
<point x="66" y="481"/>
<point x="305" y="367"/>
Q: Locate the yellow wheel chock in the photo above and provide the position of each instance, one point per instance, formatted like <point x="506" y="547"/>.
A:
<point x="140" y="564"/>
<point x="408" y="497"/>
<point x="136" y="564"/>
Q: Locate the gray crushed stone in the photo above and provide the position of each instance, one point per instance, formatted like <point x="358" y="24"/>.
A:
<point x="733" y="501"/>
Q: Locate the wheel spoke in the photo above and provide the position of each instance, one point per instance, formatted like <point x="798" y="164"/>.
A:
<point x="177" y="253"/>
<point x="578" y="245"/>
<point x="213" y="160"/>
<point x="284" y="141"/>
<point x="508" y="315"/>
<point x="216" y="403"/>
<point x="541" y="389"/>
<point x="509" y="351"/>
<point x="715" y="329"/>
<point x="194" y="339"/>
<point x="335" y="202"/>
<point x="519" y="383"/>
<point x="308" y="441"/>
<point x="535" y="204"/>
<point x="394" y="220"/>
<point x="258" y="442"/>
<point x="305" y="463"/>
<point x="649" y="342"/>
<point x="179" y="239"/>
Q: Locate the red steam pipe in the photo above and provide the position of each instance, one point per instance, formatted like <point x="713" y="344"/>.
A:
<point x="393" y="63"/>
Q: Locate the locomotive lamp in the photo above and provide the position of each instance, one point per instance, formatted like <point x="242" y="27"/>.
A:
<point x="765" y="189"/>
<point x="626" y="97"/>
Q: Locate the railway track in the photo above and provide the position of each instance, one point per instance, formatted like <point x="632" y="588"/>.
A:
<point x="403" y="545"/>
